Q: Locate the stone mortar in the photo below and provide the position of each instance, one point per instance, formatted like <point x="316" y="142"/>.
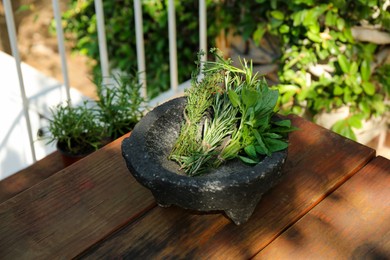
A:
<point x="234" y="188"/>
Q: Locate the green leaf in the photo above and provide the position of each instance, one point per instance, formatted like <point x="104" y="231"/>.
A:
<point x="275" y="145"/>
<point x="355" y="121"/>
<point x="314" y="37"/>
<point x="247" y="160"/>
<point x="272" y="135"/>
<point x="378" y="103"/>
<point x="354" y="68"/>
<point x="323" y="54"/>
<point x="365" y="107"/>
<point x="297" y="110"/>
<point x="22" y="8"/>
<point x="284" y="123"/>
<point x="330" y="19"/>
<point x="287" y="97"/>
<point x="284" y="28"/>
<point x="251" y="151"/>
<point x="343" y="128"/>
<point x="249" y="97"/>
<point x="338" y="90"/>
<point x="269" y="98"/>
<point x="261" y="121"/>
<point x="302" y="95"/>
<point x="344" y="63"/>
<point x="365" y="70"/>
<point x="339" y="126"/>
<point x="368" y="88"/>
<point x="262" y="147"/>
<point x="277" y="15"/>
<point x="288" y="88"/>
<point x="298" y="17"/>
<point x="347" y="95"/>
<point x="314" y="28"/>
<point x="309" y="18"/>
<point x="260" y="150"/>
<point x="357" y="89"/>
<point x="284" y="129"/>
<point x="340" y="23"/>
<point x="348" y="35"/>
<point x="234" y="98"/>
<point x="275" y="23"/>
<point x="259" y="33"/>
<point x="274" y="4"/>
<point x="349" y="133"/>
<point x="341" y="37"/>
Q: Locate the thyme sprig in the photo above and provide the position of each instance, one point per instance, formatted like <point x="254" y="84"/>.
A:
<point x="228" y="115"/>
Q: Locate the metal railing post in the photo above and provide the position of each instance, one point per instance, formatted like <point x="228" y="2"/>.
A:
<point x="172" y="46"/>
<point x="102" y="39"/>
<point x="203" y="28"/>
<point x="15" y="52"/>
<point x="140" y="46"/>
<point x="61" y="47"/>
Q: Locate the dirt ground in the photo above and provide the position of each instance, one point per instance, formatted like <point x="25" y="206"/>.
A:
<point x="38" y="47"/>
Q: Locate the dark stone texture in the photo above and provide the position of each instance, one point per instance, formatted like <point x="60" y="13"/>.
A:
<point x="234" y="188"/>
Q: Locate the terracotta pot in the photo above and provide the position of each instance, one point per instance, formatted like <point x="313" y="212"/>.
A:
<point x="234" y="188"/>
<point x="69" y="158"/>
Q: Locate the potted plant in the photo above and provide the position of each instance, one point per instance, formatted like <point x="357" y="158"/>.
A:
<point x="120" y="105"/>
<point x="76" y="131"/>
<point x="218" y="148"/>
<point x="82" y="129"/>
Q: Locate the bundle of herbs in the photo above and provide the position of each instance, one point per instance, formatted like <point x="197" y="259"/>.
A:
<point x="229" y="114"/>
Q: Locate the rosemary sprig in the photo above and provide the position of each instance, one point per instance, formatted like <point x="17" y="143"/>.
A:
<point x="199" y="99"/>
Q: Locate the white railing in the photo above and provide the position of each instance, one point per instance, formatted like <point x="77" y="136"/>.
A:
<point x="175" y="88"/>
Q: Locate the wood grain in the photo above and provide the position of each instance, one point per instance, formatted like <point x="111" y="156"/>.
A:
<point x="30" y="176"/>
<point x="319" y="161"/>
<point x="72" y="210"/>
<point x="352" y="223"/>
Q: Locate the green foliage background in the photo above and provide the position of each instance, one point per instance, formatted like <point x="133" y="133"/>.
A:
<point x="80" y="24"/>
<point x="310" y="33"/>
<point x="318" y="33"/>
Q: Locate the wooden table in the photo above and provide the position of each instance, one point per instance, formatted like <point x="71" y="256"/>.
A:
<point x="334" y="202"/>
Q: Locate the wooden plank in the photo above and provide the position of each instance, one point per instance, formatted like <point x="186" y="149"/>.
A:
<point x="318" y="162"/>
<point x="30" y="176"/>
<point x="352" y="223"/>
<point x="73" y="209"/>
